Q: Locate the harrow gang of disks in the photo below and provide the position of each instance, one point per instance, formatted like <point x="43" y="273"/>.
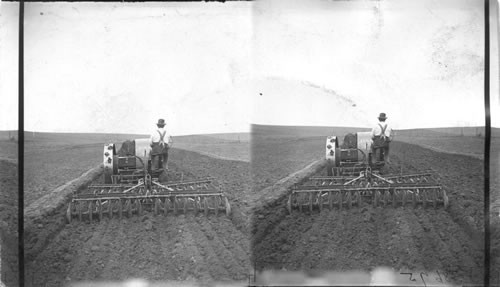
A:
<point x="369" y="187"/>
<point x="128" y="199"/>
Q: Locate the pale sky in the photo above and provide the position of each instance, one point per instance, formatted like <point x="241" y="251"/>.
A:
<point x="217" y="67"/>
<point x="9" y="44"/>
<point x="494" y="64"/>
<point x="421" y="62"/>
<point x="118" y="67"/>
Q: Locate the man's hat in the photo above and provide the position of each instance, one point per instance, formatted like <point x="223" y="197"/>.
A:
<point x="161" y="122"/>
<point x="382" y="116"/>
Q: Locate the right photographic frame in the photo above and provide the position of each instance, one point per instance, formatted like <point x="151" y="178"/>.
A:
<point x="368" y="143"/>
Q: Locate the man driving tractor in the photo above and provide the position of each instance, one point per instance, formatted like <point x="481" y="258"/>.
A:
<point x="160" y="142"/>
<point x="382" y="135"/>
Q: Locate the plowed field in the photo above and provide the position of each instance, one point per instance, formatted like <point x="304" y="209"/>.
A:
<point x="404" y="238"/>
<point x="9" y="264"/>
<point x="495" y="211"/>
<point x="183" y="247"/>
<point x="188" y="247"/>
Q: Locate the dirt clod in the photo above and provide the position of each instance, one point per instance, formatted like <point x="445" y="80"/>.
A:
<point x="148" y="225"/>
<point x="68" y="257"/>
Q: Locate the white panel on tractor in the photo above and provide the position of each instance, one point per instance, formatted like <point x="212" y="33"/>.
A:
<point x="108" y="153"/>
<point x="331" y="144"/>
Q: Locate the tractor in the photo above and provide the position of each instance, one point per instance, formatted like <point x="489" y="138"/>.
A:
<point x="354" y="178"/>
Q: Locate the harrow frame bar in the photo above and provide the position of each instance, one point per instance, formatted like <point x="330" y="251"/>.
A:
<point x="353" y="187"/>
<point x="340" y="191"/>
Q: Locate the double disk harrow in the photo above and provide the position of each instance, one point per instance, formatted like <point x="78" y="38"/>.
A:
<point x="369" y="187"/>
<point x="131" y="186"/>
<point x="117" y="200"/>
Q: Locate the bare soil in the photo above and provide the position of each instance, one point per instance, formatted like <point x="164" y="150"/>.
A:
<point x="223" y="146"/>
<point x="46" y="168"/>
<point x="184" y="247"/>
<point x="274" y="158"/>
<point x="217" y="248"/>
<point x="465" y="145"/>
<point x="8" y="214"/>
<point x="227" y="151"/>
<point x="404" y="238"/>
<point x="495" y="211"/>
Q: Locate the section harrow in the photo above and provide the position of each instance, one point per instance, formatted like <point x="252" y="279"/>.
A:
<point x="369" y="187"/>
<point x="148" y="195"/>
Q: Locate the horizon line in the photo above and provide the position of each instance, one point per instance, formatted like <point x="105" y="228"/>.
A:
<point x="119" y="133"/>
<point x="242" y="132"/>
<point x="357" y="127"/>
